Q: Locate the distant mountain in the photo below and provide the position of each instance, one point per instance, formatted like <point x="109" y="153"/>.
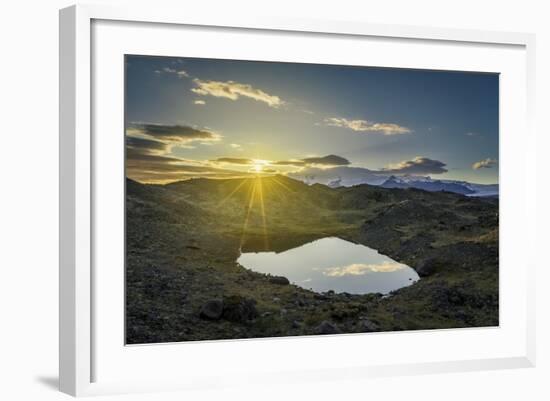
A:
<point x="351" y="176"/>
<point x="394" y="182"/>
<point x="483" y="189"/>
<point x="428" y="185"/>
<point x="339" y="176"/>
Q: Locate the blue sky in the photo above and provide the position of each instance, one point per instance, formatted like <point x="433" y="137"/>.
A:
<point x="217" y="118"/>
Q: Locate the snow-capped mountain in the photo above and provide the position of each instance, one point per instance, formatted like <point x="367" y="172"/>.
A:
<point x="483" y="189"/>
<point x="350" y="176"/>
<point x="428" y="184"/>
<point x="339" y="176"/>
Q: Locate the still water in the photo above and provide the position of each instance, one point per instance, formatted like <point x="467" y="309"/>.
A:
<point x="333" y="264"/>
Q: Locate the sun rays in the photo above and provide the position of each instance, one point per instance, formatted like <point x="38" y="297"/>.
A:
<point x="260" y="190"/>
<point x="255" y="193"/>
<point x="284" y="186"/>
<point x="243" y="182"/>
<point x="248" y="211"/>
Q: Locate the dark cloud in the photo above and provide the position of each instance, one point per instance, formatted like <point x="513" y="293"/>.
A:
<point x="330" y="160"/>
<point x="173" y="134"/>
<point x="152" y="168"/>
<point x="297" y="163"/>
<point x="234" y="160"/>
<point x="147" y="159"/>
<point x="143" y="145"/>
<point x="161" y="173"/>
<point x="143" y="155"/>
<point x="418" y="165"/>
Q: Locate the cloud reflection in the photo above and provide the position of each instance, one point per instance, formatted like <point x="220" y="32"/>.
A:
<point x="359" y="269"/>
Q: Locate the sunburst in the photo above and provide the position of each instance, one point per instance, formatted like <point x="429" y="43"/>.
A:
<point x="255" y="201"/>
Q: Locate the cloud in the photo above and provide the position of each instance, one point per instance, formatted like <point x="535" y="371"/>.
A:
<point x="234" y="160"/>
<point x="296" y="163"/>
<point x="200" y="102"/>
<point x="145" y="163"/>
<point x="143" y="155"/>
<point x="418" y="165"/>
<point x="486" y="163"/>
<point x="360" y="269"/>
<point x="472" y="134"/>
<point x="270" y="166"/>
<point x="149" y="158"/>
<point x="234" y="90"/>
<point x="146" y="145"/>
<point x="162" y="170"/>
<point x="367" y="126"/>
<point x="178" y="73"/>
<point x="166" y="70"/>
<point x="236" y="146"/>
<point x="330" y="160"/>
<point x="173" y="135"/>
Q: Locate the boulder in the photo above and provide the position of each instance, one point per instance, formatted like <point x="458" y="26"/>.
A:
<point x="279" y="280"/>
<point x="239" y="309"/>
<point x="426" y="267"/>
<point x="327" y="327"/>
<point x="212" y="309"/>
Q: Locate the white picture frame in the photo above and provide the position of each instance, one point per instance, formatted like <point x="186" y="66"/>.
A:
<point x="78" y="152"/>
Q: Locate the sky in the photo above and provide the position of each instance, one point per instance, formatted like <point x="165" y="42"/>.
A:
<point x="188" y="117"/>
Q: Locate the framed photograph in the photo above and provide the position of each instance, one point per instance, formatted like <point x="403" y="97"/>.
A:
<point x="296" y="200"/>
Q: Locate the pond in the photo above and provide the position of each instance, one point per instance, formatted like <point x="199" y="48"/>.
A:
<point x="333" y="264"/>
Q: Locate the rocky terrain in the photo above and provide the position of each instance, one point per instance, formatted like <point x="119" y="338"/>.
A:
<point x="183" y="240"/>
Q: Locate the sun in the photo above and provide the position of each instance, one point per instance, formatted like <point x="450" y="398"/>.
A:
<point x="258" y="165"/>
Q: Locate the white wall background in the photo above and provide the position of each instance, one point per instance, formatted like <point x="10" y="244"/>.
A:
<point x="29" y="185"/>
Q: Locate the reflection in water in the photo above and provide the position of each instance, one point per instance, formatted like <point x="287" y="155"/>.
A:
<point x="358" y="269"/>
<point x="333" y="264"/>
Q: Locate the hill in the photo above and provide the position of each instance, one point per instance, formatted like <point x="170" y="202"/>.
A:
<point x="183" y="240"/>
